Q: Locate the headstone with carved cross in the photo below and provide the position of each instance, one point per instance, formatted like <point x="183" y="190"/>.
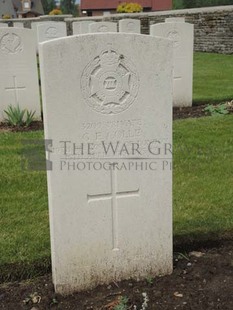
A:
<point x="182" y="35"/>
<point x="18" y="75"/>
<point x="110" y="184"/>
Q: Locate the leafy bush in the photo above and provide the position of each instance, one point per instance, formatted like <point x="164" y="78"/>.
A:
<point x="220" y="109"/>
<point x="6" y="16"/>
<point x="184" y="4"/>
<point x="55" y="12"/>
<point x="17" y="117"/>
<point x="129" y="8"/>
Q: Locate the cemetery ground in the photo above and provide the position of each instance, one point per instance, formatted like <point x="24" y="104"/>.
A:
<point x="203" y="216"/>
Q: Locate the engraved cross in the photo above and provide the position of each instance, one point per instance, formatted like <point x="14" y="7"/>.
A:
<point x="16" y="89"/>
<point x="114" y="195"/>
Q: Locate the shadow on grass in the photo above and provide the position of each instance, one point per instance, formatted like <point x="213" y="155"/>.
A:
<point x="181" y="244"/>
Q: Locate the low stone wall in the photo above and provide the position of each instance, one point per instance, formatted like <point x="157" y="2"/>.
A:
<point x="213" y="26"/>
<point x="28" y="21"/>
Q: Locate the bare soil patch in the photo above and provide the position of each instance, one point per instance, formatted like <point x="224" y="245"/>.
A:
<point x="204" y="282"/>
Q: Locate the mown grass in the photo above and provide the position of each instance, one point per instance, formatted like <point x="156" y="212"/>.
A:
<point x="202" y="194"/>
<point x="212" y="78"/>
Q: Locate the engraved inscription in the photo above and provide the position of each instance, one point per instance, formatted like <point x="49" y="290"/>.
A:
<point x="11" y="43"/>
<point x="15" y="88"/>
<point x="114" y="195"/>
<point x="103" y="28"/>
<point x="51" y="33"/>
<point x="110" y="83"/>
<point x="175" y="37"/>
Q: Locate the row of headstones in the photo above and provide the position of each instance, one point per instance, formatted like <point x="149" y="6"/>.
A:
<point x="19" y="78"/>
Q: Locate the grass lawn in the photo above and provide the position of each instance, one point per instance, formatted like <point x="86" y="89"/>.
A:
<point x="203" y="191"/>
<point x="213" y="77"/>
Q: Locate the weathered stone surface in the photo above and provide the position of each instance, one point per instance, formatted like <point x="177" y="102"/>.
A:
<point x="175" y="20"/>
<point x="130" y="25"/>
<point x="3" y="25"/>
<point x="51" y="30"/>
<point x="81" y="27"/>
<point x="110" y="210"/>
<point x="103" y="27"/>
<point x="182" y="36"/>
<point x="18" y="25"/>
<point x="18" y="75"/>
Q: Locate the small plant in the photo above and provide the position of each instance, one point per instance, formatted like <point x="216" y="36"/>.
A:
<point x="29" y="118"/>
<point x="55" y="12"/>
<point x="180" y="256"/>
<point x="122" y="304"/>
<point x="17" y="117"/>
<point x="129" y="8"/>
<point x="149" y="280"/>
<point x="220" y="109"/>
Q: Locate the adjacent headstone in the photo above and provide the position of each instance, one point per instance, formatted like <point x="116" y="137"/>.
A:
<point x="34" y="27"/>
<point x="18" y="75"/>
<point x="18" y="25"/>
<point x="81" y="27"/>
<point x="130" y="25"/>
<point x="182" y="35"/>
<point x="3" y="25"/>
<point x="51" y="30"/>
<point x="175" y="20"/>
<point x="103" y="27"/>
<point x="110" y="209"/>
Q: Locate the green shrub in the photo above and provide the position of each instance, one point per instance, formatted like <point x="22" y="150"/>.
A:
<point x="17" y="117"/>
<point x="220" y="109"/>
<point x="129" y="8"/>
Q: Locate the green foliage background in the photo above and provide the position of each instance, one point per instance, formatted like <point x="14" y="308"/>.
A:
<point x="69" y="7"/>
<point x="184" y="4"/>
<point x="48" y="5"/>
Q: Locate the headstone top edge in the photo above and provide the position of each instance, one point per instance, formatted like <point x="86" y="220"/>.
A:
<point x="102" y="34"/>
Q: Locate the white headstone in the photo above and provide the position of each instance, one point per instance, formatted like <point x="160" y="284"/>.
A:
<point x="81" y="27"/>
<point x="175" y="20"/>
<point x="18" y="75"/>
<point x="182" y="35"/>
<point x="51" y="30"/>
<point x="110" y="213"/>
<point x="130" y="25"/>
<point x="103" y="27"/>
<point x="19" y="25"/>
<point x="3" y="25"/>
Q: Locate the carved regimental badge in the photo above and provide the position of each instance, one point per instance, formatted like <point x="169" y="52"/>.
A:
<point x="11" y="43"/>
<point x="175" y="37"/>
<point x="110" y="83"/>
<point x="51" y="33"/>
